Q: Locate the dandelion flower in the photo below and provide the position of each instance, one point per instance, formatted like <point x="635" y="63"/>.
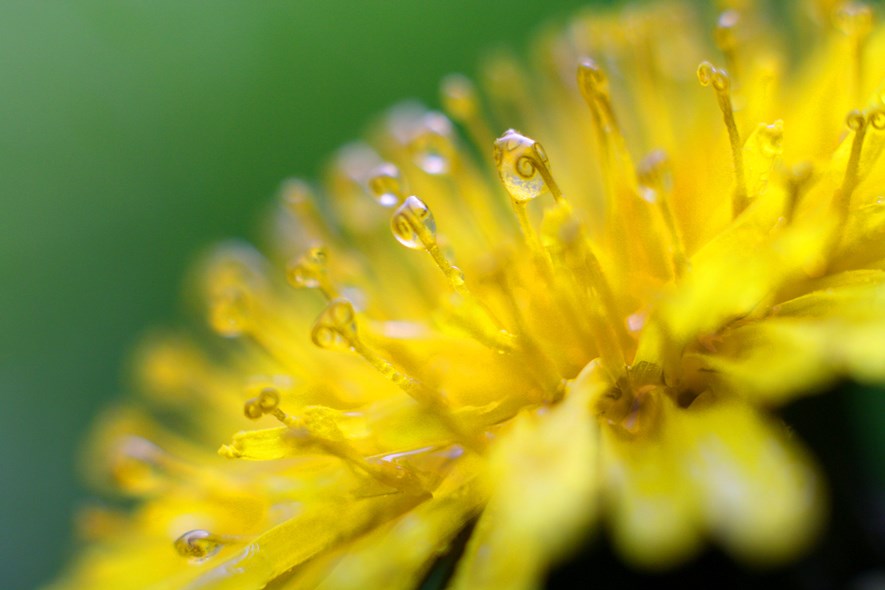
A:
<point x="520" y="344"/>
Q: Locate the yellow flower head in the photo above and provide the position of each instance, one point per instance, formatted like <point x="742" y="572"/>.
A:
<point x="578" y="324"/>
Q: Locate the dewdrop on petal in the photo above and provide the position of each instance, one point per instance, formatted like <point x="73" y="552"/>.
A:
<point x="561" y="310"/>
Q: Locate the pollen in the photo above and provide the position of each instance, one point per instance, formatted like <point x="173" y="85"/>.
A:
<point x="564" y="303"/>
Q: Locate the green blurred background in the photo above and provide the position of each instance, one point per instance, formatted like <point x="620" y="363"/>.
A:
<point x="135" y="133"/>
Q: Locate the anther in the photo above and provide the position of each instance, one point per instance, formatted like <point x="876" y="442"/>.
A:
<point x="266" y="402"/>
<point x="310" y="271"/>
<point x="718" y="79"/>
<point x="386" y="185"/>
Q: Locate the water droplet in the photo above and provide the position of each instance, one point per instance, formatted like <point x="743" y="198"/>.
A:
<point x="309" y="269"/>
<point x="592" y="80"/>
<point x="198" y="544"/>
<point x="771" y="138"/>
<point x="433" y="145"/>
<point x="386" y="185"/>
<point x="705" y="73"/>
<point x="413" y="224"/>
<point x="459" y="97"/>
<point x="636" y="321"/>
<point x="137" y="465"/>
<point x="234" y="279"/>
<point x="726" y="33"/>
<point x="854" y="19"/>
<point x="522" y="165"/>
<point x="231" y="311"/>
<point x="649" y="195"/>
<point x="456" y="276"/>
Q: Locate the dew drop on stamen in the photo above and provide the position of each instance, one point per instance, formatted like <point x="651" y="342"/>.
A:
<point x="412" y="221"/>
<point x="459" y="97"/>
<point x="519" y="159"/>
<point x="138" y="465"/>
<point x="308" y="270"/>
<point x="386" y="185"/>
<point x="433" y="146"/>
<point x="197" y="544"/>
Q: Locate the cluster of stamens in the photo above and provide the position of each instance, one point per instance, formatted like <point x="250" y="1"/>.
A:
<point x="538" y="294"/>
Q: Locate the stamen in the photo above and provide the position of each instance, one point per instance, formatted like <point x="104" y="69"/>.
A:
<point x="616" y="166"/>
<point x="571" y="251"/>
<point x="336" y="329"/>
<point x="727" y="37"/>
<point x="762" y="151"/>
<point x="233" y="282"/>
<point x="718" y="79"/>
<point x="859" y="124"/>
<point x="798" y="178"/>
<point x="433" y="147"/>
<point x="593" y="84"/>
<point x="240" y="303"/>
<point x="268" y="402"/>
<point x="414" y="227"/>
<point x="318" y="427"/>
<point x="855" y="21"/>
<point x="141" y="467"/>
<point x="507" y="87"/>
<point x="386" y="185"/>
<point x="460" y="101"/>
<point x="310" y="271"/>
<point x="656" y="180"/>
<point x="299" y="199"/>
<point x="523" y="169"/>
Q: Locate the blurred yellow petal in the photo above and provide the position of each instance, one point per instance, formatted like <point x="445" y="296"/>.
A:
<point x="543" y="478"/>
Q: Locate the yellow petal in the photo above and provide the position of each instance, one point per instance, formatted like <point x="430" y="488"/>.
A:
<point x="543" y="477"/>
<point x="760" y="495"/>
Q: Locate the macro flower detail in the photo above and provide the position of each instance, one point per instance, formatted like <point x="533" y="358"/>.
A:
<point x="580" y="324"/>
